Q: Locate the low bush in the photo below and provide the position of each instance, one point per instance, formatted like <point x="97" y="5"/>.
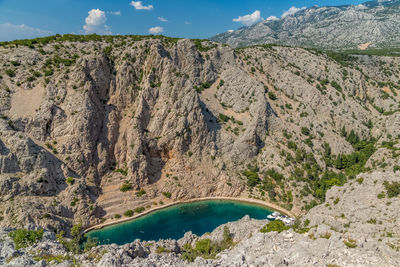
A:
<point x="24" y="238"/>
<point x="206" y="248"/>
<point x="273" y="226"/>
<point x="167" y="194"/>
<point x="126" y="187"/>
<point x="70" y="180"/>
<point x="272" y="96"/>
<point x="350" y="243"/>
<point x="392" y="189"/>
<point x="140" y="193"/>
<point x="139" y="209"/>
<point x="10" y="73"/>
<point x="128" y="213"/>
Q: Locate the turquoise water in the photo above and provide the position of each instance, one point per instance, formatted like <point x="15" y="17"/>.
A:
<point x="173" y="222"/>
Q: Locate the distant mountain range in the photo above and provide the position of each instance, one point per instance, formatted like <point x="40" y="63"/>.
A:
<point x="373" y="24"/>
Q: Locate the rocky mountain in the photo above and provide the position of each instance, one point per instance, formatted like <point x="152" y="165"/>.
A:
<point x="373" y="24"/>
<point x="92" y="126"/>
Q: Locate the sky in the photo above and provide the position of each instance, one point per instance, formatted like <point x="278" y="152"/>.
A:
<point x="20" y="19"/>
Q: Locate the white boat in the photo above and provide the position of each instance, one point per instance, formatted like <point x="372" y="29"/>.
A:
<point x="274" y="215"/>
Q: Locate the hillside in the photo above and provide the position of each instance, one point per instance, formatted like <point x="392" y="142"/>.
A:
<point x="90" y="126"/>
<point x="373" y="24"/>
<point x="93" y="126"/>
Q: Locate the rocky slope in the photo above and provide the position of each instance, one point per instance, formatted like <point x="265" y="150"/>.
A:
<point x="371" y="24"/>
<point x="94" y="126"/>
<point x="356" y="226"/>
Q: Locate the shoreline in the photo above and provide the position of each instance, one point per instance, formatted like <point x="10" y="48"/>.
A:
<point x="268" y="205"/>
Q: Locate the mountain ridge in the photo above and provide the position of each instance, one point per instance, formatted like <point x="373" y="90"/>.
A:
<point x="371" y="24"/>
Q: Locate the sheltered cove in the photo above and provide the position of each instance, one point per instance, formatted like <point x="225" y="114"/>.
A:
<point x="243" y="200"/>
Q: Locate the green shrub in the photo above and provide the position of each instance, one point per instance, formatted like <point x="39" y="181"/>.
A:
<point x="381" y="195"/>
<point x="107" y="51"/>
<point x="206" y="248"/>
<point x="30" y="79"/>
<point x="273" y="226"/>
<point x="288" y="106"/>
<point x="126" y="187"/>
<point x="336" y="201"/>
<point x="305" y="131"/>
<point x="90" y="243"/>
<point x="252" y="176"/>
<point x="124" y="172"/>
<point x="392" y="189"/>
<point x="160" y="250"/>
<point x="272" y="96"/>
<point x="336" y="86"/>
<point x="70" y="180"/>
<point x="223" y="118"/>
<point x="167" y="194"/>
<point x="350" y="243"/>
<point x="24" y="238"/>
<point x="140" y="193"/>
<point x="74" y="201"/>
<point x="326" y="235"/>
<point x="10" y="73"/>
<point x="72" y="245"/>
<point x="139" y="209"/>
<point x="37" y="74"/>
<point x="128" y="213"/>
<point x="48" y="72"/>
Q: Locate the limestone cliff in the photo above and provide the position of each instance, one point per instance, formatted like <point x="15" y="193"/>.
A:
<point x="93" y="127"/>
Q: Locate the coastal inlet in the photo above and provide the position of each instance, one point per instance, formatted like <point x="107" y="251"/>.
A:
<point x="173" y="222"/>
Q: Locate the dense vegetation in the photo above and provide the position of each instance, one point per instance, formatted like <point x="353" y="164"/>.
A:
<point x="315" y="179"/>
<point x="38" y="42"/>
<point x="392" y="189"/>
<point x="73" y="245"/>
<point x="24" y="238"/>
<point x="277" y="226"/>
<point x="206" y="248"/>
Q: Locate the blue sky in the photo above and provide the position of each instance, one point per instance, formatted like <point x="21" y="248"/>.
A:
<point x="177" y="18"/>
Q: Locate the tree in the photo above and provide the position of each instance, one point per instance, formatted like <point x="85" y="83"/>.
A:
<point x="353" y="138"/>
<point x="305" y="131"/>
<point x="343" y="132"/>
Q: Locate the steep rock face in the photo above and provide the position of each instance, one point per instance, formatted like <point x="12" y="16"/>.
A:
<point x="94" y="128"/>
<point x="371" y="24"/>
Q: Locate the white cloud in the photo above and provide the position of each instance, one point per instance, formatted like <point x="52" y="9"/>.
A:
<point x="96" y="22"/>
<point x="139" y="6"/>
<point x="115" y="13"/>
<point x="156" y="30"/>
<point x="10" y="32"/>
<point x="249" y="19"/>
<point x="188" y="22"/>
<point x="272" y="18"/>
<point x="162" y="19"/>
<point x="293" y="10"/>
<point x="230" y="31"/>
